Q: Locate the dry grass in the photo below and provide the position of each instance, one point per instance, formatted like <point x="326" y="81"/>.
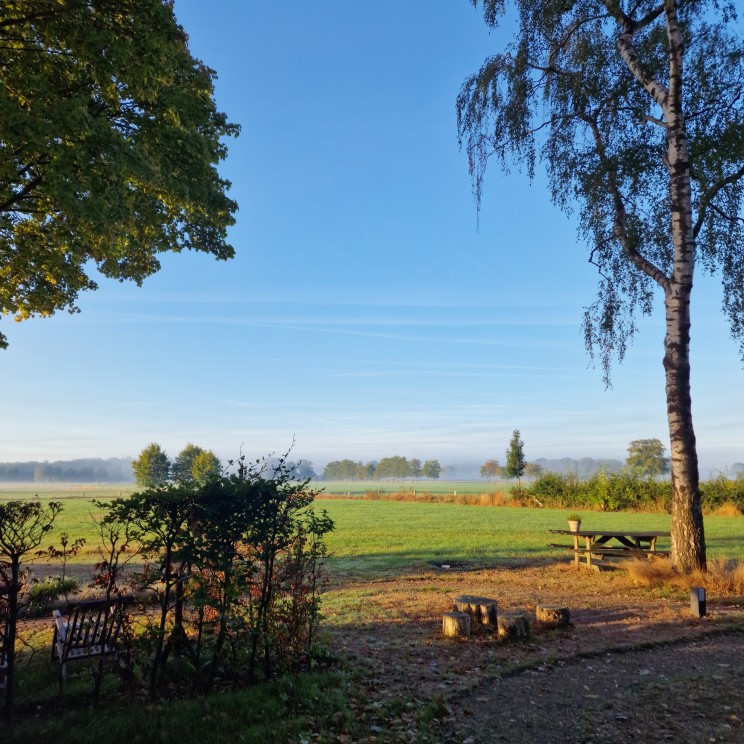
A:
<point x="468" y="499"/>
<point x="723" y="577"/>
<point x="729" y="509"/>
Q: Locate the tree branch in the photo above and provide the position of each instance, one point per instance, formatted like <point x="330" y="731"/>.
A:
<point x="650" y="84"/>
<point x="626" y="19"/>
<point x="727" y="217"/>
<point x="620" y="228"/>
<point x="8" y="22"/>
<point x="653" y="120"/>
<point x="19" y="195"/>
<point x="710" y="194"/>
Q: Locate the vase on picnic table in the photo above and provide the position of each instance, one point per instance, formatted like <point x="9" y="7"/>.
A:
<point x="574" y="523"/>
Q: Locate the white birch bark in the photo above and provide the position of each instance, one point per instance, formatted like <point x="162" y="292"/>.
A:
<point x="688" y="543"/>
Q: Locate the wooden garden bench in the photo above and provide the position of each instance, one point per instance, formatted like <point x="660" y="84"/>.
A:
<point x="88" y="629"/>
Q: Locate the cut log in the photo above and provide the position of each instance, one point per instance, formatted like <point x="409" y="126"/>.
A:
<point x="513" y="626"/>
<point x="554" y="617"/>
<point x="456" y="624"/>
<point x="482" y="610"/>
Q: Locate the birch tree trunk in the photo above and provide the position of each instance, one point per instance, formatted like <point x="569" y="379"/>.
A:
<point x="688" y="541"/>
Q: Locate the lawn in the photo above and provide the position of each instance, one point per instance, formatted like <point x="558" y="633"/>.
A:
<point x="384" y="537"/>
<point x="394" y="678"/>
<point x="387" y="536"/>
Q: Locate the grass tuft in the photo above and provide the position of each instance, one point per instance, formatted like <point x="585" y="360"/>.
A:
<point x="723" y="578"/>
<point x="727" y="509"/>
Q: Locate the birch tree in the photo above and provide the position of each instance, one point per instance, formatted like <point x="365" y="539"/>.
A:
<point x="636" y="109"/>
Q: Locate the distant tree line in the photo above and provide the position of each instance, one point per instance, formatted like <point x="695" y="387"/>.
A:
<point x="88" y="470"/>
<point x="388" y="468"/>
<point x="583" y="468"/>
<point x="645" y="459"/>
<point x="196" y="465"/>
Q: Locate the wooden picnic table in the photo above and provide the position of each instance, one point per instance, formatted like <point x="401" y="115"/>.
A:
<point x="638" y="543"/>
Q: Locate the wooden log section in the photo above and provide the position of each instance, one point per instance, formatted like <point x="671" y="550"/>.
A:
<point x="513" y="626"/>
<point x="482" y="610"/>
<point x="456" y="625"/>
<point x="553" y="617"/>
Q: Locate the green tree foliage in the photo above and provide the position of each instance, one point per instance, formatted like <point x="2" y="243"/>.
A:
<point x="366" y="471"/>
<point x="339" y="470"/>
<point x="88" y="470"/>
<point x="431" y="469"/>
<point x="636" y="107"/>
<point x="491" y="469"/>
<point x="182" y="466"/>
<point x="515" y="462"/>
<point x="109" y="146"/>
<point x="23" y="525"/>
<point x="152" y="467"/>
<point x="392" y="468"/>
<point x="193" y="464"/>
<point x="604" y="491"/>
<point x="242" y="554"/>
<point x="646" y="457"/>
<point x="388" y="468"/>
<point x="205" y="465"/>
<point x="532" y="470"/>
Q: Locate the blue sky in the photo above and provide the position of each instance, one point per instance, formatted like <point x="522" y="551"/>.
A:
<point x="367" y="312"/>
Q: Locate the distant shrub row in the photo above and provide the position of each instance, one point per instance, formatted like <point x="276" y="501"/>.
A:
<point x="627" y="492"/>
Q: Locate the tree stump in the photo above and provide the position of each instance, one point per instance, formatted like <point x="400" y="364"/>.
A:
<point x="456" y="625"/>
<point x="513" y="626"/>
<point x="554" y="617"/>
<point x="482" y="610"/>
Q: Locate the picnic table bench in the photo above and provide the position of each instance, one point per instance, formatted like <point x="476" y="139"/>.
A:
<point x="88" y="629"/>
<point x="632" y="543"/>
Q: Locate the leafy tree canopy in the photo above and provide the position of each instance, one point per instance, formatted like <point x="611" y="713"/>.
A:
<point x="646" y="457"/>
<point x="431" y="469"/>
<point x="515" y="462"/>
<point x="152" y="467"/>
<point x="585" y="86"/>
<point x="491" y="469"/>
<point x="109" y="142"/>
<point x="193" y="464"/>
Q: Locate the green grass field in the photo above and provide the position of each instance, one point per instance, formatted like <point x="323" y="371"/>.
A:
<point x="372" y="539"/>
<point x="359" y="488"/>
<point x="386" y="537"/>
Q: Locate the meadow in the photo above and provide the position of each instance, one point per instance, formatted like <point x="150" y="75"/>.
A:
<point x="382" y="537"/>
<point x="360" y="488"/>
<point x="383" y="608"/>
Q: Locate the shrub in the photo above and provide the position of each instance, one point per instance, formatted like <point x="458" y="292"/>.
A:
<point x="235" y="564"/>
<point x="23" y="525"/>
<point x="718" y="491"/>
<point x="602" y="491"/>
<point x="44" y="592"/>
<point x="723" y="577"/>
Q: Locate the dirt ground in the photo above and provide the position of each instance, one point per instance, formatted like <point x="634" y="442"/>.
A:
<point x="633" y="665"/>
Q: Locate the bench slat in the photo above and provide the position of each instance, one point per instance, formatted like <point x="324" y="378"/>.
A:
<point x="90" y="629"/>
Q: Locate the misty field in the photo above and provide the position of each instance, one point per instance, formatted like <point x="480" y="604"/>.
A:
<point x="383" y="537"/>
<point x="360" y="488"/>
